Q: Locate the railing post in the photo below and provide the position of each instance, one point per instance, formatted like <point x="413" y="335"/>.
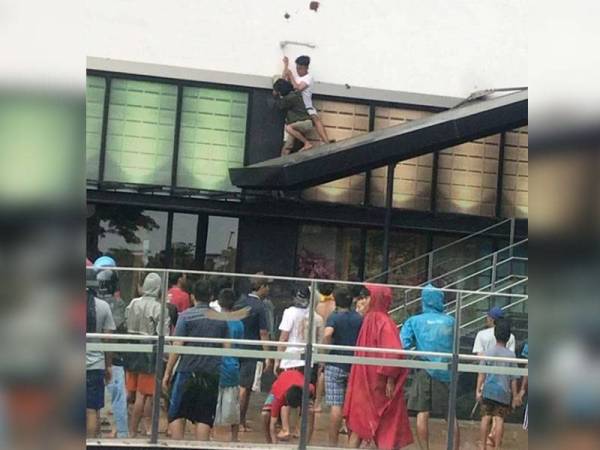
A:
<point x="160" y="352"/>
<point x="494" y="270"/>
<point x="430" y="266"/>
<point x="512" y="237"/>
<point x="454" y="374"/>
<point x="304" y="431"/>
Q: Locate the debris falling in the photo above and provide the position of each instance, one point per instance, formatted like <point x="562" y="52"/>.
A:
<point x="314" y="6"/>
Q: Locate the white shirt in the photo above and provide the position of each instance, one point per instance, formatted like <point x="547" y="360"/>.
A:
<point x="307" y="92"/>
<point x="215" y="305"/>
<point x="295" y="322"/>
<point x="485" y="340"/>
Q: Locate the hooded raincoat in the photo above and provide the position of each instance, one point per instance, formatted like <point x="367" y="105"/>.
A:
<point x="430" y="331"/>
<point x="368" y="411"/>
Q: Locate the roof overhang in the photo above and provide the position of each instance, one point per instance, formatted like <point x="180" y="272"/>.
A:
<point x="470" y="121"/>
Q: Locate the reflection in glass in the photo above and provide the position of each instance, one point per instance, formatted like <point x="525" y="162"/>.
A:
<point x="328" y="252"/>
<point x="185" y="227"/>
<point x="221" y="244"/>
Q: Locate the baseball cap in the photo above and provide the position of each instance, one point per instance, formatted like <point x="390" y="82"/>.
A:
<point x="496" y="313"/>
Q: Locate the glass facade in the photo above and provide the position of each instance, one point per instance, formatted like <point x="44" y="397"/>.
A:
<point x="212" y="137"/>
<point x="141" y="127"/>
<point x="328" y="252"/>
<point x="221" y="244"/>
<point x="94" y="112"/>
<point x="341" y="121"/>
<point x="183" y="241"/>
<point x="403" y="247"/>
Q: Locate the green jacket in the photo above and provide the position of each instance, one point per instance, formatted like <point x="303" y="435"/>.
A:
<point x="294" y="107"/>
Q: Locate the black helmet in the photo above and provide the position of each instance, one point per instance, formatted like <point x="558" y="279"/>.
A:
<point x="91" y="280"/>
<point x="108" y="282"/>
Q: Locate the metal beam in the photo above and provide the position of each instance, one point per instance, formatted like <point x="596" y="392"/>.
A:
<point x="389" y="202"/>
<point x="304" y="212"/>
<point x="358" y="154"/>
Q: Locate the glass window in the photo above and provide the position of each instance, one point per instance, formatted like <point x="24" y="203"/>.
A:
<point x="212" y="137"/>
<point x="341" y="121"/>
<point x="328" y="252"/>
<point x="468" y="177"/>
<point x="403" y="248"/>
<point x="183" y="241"/>
<point x="134" y="237"/>
<point x="515" y="192"/>
<point x="141" y="127"/>
<point x="221" y="244"/>
<point x="412" y="178"/>
<point x="94" y="111"/>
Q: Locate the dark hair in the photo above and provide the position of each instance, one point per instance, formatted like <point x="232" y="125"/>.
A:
<point x="326" y="288"/>
<point x="174" y="277"/>
<point x="257" y="282"/>
<point x="202" y="291"/>
<point x="342" y="298"/>
<point x="284" y="87"/>
<point x="293" y="397"/>
<point x="303" y="60"/>
<point x="227" y="298"/>
<point x="358" y="290"/>
<point x="91" y="312"/>
<point x="502" y="330"/>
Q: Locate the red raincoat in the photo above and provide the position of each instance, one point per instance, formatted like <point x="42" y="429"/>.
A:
<point x="369" y="413"/>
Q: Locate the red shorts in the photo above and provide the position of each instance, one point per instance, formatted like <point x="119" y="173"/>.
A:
<point x="140" y="382"/>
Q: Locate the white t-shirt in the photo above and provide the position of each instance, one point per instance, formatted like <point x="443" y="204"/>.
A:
<point x="485" y="340"/>
<point x="295" y="322"/>
<point x="308" y="92"/>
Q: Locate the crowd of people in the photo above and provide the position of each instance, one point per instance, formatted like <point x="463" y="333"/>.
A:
<point x="367" y="402"/>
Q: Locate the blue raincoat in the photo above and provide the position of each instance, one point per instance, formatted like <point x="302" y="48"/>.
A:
<point x="430" y="331"/>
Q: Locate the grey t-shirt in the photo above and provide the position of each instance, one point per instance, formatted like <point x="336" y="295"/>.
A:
<point x="497" y="387"/>
<point x="104" y="323"/>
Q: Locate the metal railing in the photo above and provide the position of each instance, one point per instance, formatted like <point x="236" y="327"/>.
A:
<point x="493" y="268"/>
<point x="311" y="352"/>
<point x="429" y="256"/>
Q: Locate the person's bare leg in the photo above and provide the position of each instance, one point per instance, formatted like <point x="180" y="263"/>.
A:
<point x="492" y="432"/>
<point x="499" y="432"/>
<point x="483" y="431"/>
<point x="298" y="135"/>
<point x="148" y="415"/>
<point x="311" y="425"/>
<point x="244" y="402"/>
<point x="266" y="416"/>
<point x="177" y="429"/>
<point x="354" y="441"/>
<point x="320" y="392"/>
<point x="136" y="414"/>
<point x="202" y="432"/>
<point x="423" y="430"/>
<point x="92" y="423"/>
<point x="235" y="430"/>
<point x="284" y="434"/>
<point x="335" y="421"/>
<point x="320" y="128"/>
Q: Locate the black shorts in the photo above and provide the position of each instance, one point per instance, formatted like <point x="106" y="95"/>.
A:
<point x="428" y="394"/>
<point x="494" y="408"/>
<point x="194" y="397"/>
<point x="94" y="381"/>
<point x="247" y="372"/>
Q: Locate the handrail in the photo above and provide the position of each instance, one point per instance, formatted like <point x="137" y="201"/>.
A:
<point x="518" y="302"/>
<point x="462" y="279"/>
<point x="486" y="295"/>
<point x="465" y="238"/>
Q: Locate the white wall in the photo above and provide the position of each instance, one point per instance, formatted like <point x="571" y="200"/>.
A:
<point x="445" y="47"/>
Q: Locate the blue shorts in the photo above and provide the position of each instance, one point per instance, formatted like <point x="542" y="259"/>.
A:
<point x="336" y="382"/>
<point x="94" y="380"/>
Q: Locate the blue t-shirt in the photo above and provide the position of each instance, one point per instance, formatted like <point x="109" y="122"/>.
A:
<point x="194" y="323"/>
<point x="230" y="366"/>
<point x="497" y="387"/>
<point x="346" y="325"/>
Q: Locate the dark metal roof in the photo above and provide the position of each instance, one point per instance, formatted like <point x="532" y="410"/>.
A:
<point x="470" y="121"/>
